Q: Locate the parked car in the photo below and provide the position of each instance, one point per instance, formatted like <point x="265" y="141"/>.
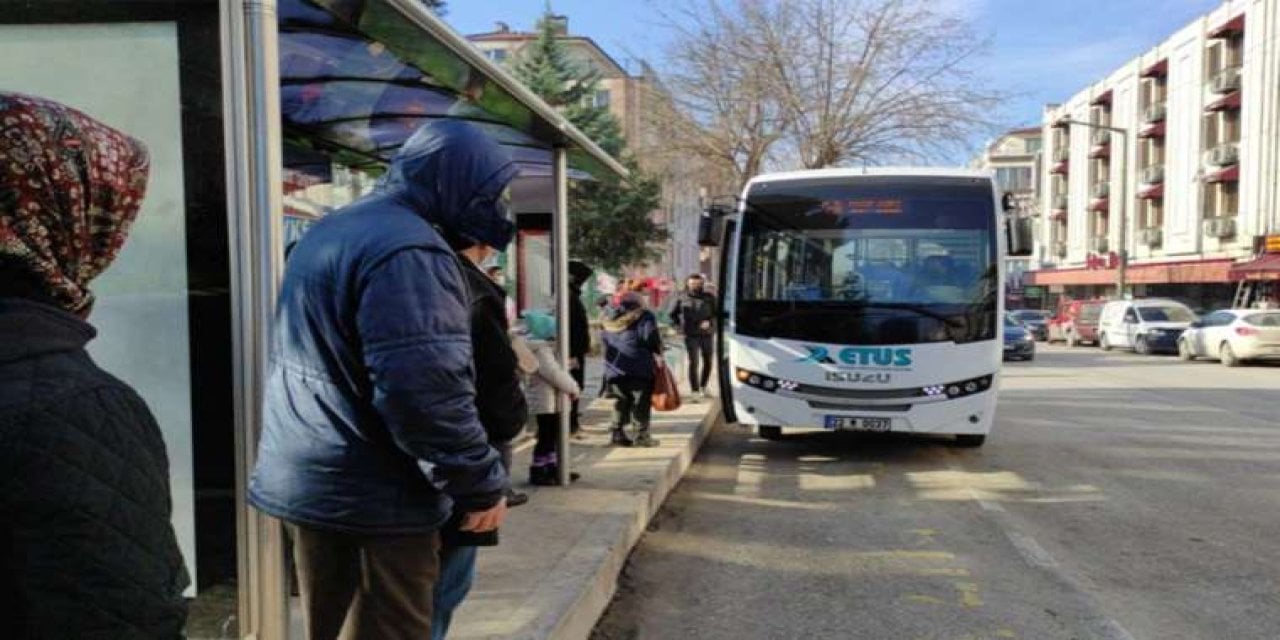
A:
<point x="1019" y="344"/>
<point x="1076" y="322"/>
<point x="1233" y="336"/>
<point x="1036" y="321"/>
<point x="1145" y="325"/>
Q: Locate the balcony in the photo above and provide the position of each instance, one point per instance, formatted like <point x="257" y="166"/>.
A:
<point x="1100" y="244"/>
<point x="1155" y="112"/>
<point x="1225" y="80"/>
<point x="1153" y="174"/>
<point x="1101" y="190"/>
<point x="1220" y="226"/>
<point x="1152" y="237"/>
<point x="1223" y="155"/>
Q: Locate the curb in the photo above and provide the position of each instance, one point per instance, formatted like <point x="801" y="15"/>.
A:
<point x="591" y="590"/>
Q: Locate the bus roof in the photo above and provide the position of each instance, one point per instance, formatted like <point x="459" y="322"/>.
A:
<point x="930" y="172"/>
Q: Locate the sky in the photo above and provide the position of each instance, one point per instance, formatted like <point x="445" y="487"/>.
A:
<point x="1042" y="51"/>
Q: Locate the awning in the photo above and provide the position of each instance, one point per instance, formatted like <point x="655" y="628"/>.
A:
<point x="1229" y="101"/>
<point x="1099" y="204"/>
<point x="1151" y="191"/>
<point x="1154" y="130"/>
<point x="1230" y="27"/>
<point x="1265" y="268"/>
<point x="1059" y="168"/>
<point x="1227" y="174"/>
<point x="1198" y="271"/>
<point x="1101" y="150"/>
<point x="358" y="78"/>
<point x="1103" y="98"/>
<point x="1157" y="70"/>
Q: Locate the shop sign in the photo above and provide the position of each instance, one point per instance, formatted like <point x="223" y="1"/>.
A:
<point x="1102" y="261"/>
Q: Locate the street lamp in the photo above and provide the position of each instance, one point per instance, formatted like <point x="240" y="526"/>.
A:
<point x="1121" y="284"/>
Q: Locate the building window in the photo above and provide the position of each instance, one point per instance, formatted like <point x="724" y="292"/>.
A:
<point x="1033" y="145"/>
<point x="601" y="99"/>
<point x="497" y="55"/>
<point x="1013" y="178"/>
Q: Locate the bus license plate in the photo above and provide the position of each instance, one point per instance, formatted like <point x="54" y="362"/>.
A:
<point x="844" y="423"/>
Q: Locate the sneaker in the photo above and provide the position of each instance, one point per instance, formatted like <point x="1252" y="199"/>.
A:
<point x="619" y="437"/>
<point x="646" y="440"/>
<point x="515" y="498"/>
<point x="549" y="476"/>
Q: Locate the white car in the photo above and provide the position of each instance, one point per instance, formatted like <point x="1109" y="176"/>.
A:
<point x="1146" y="325"/>
<point x="1233" y="336"/>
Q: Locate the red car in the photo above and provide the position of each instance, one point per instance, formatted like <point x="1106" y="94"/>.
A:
<point x="1076" y="322"/>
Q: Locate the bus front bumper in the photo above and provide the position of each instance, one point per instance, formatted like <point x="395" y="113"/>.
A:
<point x="972" y="414"/>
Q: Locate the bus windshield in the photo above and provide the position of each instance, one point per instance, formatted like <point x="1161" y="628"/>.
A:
<point x="869" y="260"/>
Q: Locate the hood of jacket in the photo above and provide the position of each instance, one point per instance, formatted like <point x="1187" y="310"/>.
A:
<point x="456" y="176"/>
<point x="620" y="318"/>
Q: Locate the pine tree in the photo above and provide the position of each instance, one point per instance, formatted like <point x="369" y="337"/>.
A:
<point x="609" y="218"/>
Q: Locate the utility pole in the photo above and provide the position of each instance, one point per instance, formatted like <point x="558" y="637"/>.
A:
<point x="1121" y="270"/>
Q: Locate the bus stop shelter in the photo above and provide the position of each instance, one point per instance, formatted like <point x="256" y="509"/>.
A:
<point x="319" y="86"/>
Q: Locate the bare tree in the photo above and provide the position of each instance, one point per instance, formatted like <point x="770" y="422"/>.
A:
<point x="819" y="83"/>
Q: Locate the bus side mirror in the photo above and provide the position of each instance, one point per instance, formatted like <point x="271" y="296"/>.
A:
<point x="707" y="236"/>
<point x="1020" y="233"/>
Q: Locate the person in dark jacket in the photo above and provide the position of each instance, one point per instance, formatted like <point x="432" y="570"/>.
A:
<point x="371" y="438"/>
<point x="579" y="334"/>
<point x="501" y="407"/>
<point x="694" y="314"/>
<point x="86" y="545"/>
<point x="631" y="344"/>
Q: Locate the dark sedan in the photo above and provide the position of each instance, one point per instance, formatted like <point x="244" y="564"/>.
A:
<point x="1019" y="344"/>
<point x="1037" y="322"/>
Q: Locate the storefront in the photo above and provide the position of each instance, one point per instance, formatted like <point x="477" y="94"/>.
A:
<point x="1201" y="284"/>
<point x="260" y="117"/>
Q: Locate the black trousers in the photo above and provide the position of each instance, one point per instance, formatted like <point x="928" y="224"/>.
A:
<point x="356" y="587"/>
<point x="700" y="353"/>
<point x="548" y="434"/>
<point x="580" y="376"/>
<point x="633" y="404"/>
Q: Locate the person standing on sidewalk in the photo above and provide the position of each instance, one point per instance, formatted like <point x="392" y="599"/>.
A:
<point x="502" y="410"/>
<point x="371" y="439"/>
<point x="546" y="382"/>
<point x="632" y="343"/>
<point x="86" y="545"/>
<point x="579" y="335"/>
<point x="694" y="314"/>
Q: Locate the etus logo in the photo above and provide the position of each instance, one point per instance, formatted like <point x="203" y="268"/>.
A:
<point x="860" y="356"/>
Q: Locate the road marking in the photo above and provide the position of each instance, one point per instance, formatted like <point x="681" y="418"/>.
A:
<point x="969" y="594"/>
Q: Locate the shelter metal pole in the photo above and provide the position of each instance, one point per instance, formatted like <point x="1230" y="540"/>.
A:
<point x="560" y="251"/>
<point x="252" y="101"/>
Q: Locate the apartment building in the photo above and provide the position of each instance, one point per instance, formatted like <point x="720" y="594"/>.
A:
<point x="1170" y="165"/>
<point x="628" y="91"/>
<point x="1014" y="158"/>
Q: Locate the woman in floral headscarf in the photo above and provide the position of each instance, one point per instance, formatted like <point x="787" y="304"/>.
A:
<point x="86" y="548"/>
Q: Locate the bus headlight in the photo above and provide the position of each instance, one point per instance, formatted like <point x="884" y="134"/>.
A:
<point x="958" y="389"/>
<point x="763" y="382"/>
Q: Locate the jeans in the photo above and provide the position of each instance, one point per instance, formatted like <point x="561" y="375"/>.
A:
<point x="634" y="396"/>
<point x="457" y="572"/>
<point x="700" y="351"/>
<point x="355" y="586"/>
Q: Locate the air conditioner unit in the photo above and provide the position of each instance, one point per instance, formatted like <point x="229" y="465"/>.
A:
<point x="1101" y="190"/>
<point x="1223" y="155"/>
<point x="1153" y="174"/>
<point x="1226" y="80"/>
<point x="1220" y="227"/>
<point x="1151" y="237"/>
<point x="1155" y="112"/>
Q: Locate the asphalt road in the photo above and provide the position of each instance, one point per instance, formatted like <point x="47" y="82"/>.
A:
<point x="1119" y="497"/>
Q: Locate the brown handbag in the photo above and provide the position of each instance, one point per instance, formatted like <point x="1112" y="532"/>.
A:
<point x="666" y="395"/>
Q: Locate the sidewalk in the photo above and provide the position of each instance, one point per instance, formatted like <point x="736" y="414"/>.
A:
<point x="557" y="567"/>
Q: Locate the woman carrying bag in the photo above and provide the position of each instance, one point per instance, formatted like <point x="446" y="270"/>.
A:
<point x="632" y="349"/>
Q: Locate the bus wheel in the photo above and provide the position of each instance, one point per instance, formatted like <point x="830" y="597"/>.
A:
<point x="970" y="440"/>
<point x="770" y="432"/>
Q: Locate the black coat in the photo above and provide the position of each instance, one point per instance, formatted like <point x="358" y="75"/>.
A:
<point x="87" y="547"/>
<point x="691" y="310"/>
<point x="579" y="327"/>
<point x="499" y="398"/>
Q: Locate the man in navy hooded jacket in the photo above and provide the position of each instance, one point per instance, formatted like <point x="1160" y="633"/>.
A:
<point x="371" y="438"/>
